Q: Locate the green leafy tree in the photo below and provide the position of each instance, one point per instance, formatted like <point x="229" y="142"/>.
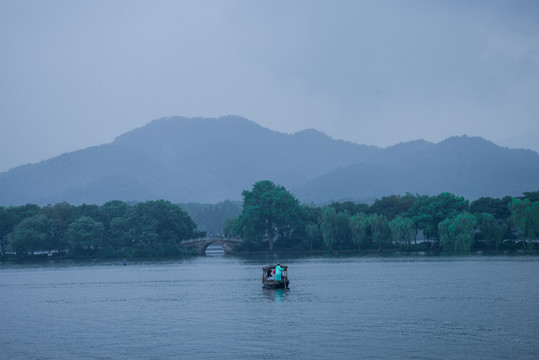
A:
<point x="92" y="211"/>
<point x="496" y="207"/>
<point x="458" y="233"/>
<point x="393" y="205"/>
<point x="114" y="214"/>
<point x="10" y="217"/>
<point x="334" y="228"/>
<point x="4" y="227"/>
<point x="159" y="222"/>
<point x="328" y="226"/>
<point x="533" y="196"/>
<point x="429" y="211"/>
<point x="380" y="230"/>
<point x="464" y="226"/>
<point x="7" y="223"/>
<point x="525" y="217"/>
<point x="359" y="226"/>
<point x="85" y="233"/>
<point x="268" y="211"/>
<point x="230" y="225"/>
<point x="490" y="230"/>
<point x="32" y="234"/>
<point x="349" y="207"/>
<point x="61" y="215"/>
<point x="313" y="235"/>
<point x="402" y="229"/>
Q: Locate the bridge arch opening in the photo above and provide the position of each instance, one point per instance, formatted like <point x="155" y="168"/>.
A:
<point x="214" y="249"/>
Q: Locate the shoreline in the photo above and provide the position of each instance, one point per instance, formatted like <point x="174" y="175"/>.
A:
<point x="6" y="259"/>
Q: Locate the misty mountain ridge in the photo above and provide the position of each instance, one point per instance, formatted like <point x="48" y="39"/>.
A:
<point x="208" y="160"/>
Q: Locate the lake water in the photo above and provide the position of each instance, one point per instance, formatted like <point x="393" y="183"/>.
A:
<point x="358" y="307"/>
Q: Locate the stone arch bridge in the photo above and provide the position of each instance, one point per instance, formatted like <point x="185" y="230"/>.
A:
<point x="201" y="244"/>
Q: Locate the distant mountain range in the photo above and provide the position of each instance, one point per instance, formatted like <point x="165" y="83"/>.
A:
<point x="209" y="160"/>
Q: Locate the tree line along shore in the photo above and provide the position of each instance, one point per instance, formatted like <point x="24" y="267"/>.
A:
<point x="272" y="219"/>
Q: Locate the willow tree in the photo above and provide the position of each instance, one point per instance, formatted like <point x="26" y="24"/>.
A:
<point x="380" y="230"/>
<point x="269" y="211"/>
<point x="429" y="211"/>
<point x="458" y="233"/>
<point x="359" y="226"/>
<point x="525" y="216"/>
<point x="402" y="229"/>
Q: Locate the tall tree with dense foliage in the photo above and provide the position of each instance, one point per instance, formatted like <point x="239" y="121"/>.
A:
<point x="429" y="211"/>
<point x="380" y="230"/>
<point x="334" y="227"/>
<point x="61" y="215"/>
<point x="10" y="217"/>
<point x="32" y="234"/>
<point x="158" y="223"/>
<point x="313" y="235"/>
<point x="533" y="196"/>
<point x="458" y="233"/>
<point x="7" y="224"/>
<point x="525" y="217"/>
<point x="402" y="229"/>
<point x="268" y="211"/>
<point x="491" y="231"/>
<point x="328" y="226"/>
<point x="350" y="207"/>
<point x="359" y="226"/>
<point x="85" y="233"/>
<point x="392" y="205"/>
<point x="114" y="214"/>
<point x="496" y="207"/>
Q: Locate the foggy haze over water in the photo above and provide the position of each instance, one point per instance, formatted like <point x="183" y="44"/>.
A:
<point x="78" y="74"/>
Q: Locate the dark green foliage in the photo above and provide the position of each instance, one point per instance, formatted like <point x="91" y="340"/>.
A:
<point x="10" y="217"/>
<point x="491" y="231"/>
<point x="269" y="212"/>
<point x="392" y="206"/>
<point x="32" y="234"/>
<point x="360" y="229"/>
<point x="349" y="207"/>
<point x="429" y="211"/>
<point x="85" y="235"/>
<point x="532" y="196"/>
<point x="273" y="218"/>
<point x="497" y="207"/>
<point x="402" y="230"/>
<point x="158" y="223"/>
<point x="458" y="233"/>
<point x="525" y="217"/>
<point x="380" y="231"/>
<point x="153" y="228"/>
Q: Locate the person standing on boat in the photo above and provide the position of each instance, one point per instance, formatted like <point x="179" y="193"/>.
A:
<point x="278" y="270"/>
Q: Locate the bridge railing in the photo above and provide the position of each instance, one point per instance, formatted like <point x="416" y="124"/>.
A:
<point x="214" y="238"/>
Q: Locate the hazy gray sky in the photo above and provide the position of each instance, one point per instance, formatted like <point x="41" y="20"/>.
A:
<point x="79" y="73"/>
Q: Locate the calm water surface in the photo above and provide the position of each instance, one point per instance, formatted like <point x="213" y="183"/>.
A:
<point x="363" y="307"/>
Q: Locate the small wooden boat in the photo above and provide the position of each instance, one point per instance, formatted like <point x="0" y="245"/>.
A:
<point x="268" y="277"/>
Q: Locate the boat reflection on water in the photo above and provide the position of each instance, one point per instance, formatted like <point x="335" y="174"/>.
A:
<point x="275" y="295"/>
